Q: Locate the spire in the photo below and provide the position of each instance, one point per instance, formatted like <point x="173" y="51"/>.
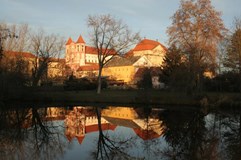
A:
<point x="80" y="40"/>
<point x="69" y="41"/>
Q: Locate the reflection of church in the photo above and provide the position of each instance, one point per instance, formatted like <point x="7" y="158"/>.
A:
<point x="80" y="121"/>
<point x="146" y="128"/>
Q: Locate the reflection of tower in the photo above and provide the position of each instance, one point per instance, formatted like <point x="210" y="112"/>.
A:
<point x="55" y="113"/>
<point x="75" y="124"/>
<point x="81" y="121"/>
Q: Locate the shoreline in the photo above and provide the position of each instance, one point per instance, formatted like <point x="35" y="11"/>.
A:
<point x="131" y="98"/>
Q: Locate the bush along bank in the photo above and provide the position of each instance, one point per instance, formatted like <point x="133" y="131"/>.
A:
<point x="221" y="100"/>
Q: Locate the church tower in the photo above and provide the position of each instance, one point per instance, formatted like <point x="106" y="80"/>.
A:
<point x="75" y="53"/>
<point x="80" y="48"/>
<point x="69" y="56"/>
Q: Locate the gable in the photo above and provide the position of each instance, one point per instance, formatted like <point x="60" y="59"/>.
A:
<point x="159" y="50"/>
<point x="142" y="61"/>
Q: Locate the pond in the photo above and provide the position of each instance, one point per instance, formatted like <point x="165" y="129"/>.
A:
<point x="118" y="132"/>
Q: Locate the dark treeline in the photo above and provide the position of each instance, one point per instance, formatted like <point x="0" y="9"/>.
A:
<point x="203" y="54"/>
<point x="24" y="58"/>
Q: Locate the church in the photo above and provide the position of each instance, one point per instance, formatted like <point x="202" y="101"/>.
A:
<point x="78" y="54"/>
<point x="83" y="59"/>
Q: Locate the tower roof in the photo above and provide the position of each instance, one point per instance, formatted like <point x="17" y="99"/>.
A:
<point x="69" y="41"/>
<point x="80" y="40"/>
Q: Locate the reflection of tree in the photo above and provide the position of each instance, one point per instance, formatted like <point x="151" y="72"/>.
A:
<point x="232" y="135"/>
<point x="11" y="132"/>
<point x="24" y="134"/>
<point x="41" y="131"/>
<point x="111" y="147"/>
<point x="188" y="137"/>
<point x="47" y="140"/>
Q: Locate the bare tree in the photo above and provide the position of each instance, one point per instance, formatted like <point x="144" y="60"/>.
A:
<point x="111" y="37"/>
<point x="196" y="29"/>
<point x="222" y="54"/>
<point x="44" y="47"/>
<point x="5" y="35"/>
<point x="19" y="44"/>
<point x="233" y="57"/>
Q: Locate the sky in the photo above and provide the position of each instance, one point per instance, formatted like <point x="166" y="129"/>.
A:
<point x="68" y="18"/>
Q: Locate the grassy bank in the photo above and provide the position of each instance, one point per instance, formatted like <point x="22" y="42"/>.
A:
<point x="121" y="97"/>
<point x="139" y="97"/>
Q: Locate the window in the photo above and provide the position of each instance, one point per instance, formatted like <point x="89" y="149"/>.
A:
<point x="78" y="48"/>
<point x="72" y="48"/>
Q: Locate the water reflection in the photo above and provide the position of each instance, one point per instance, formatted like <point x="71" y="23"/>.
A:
<point x="29" y="134"/>
<point x="108" y="132"/>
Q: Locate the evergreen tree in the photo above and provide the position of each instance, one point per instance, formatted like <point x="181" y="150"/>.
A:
<point x="146" y="79"/>
<point x="174" y="69"/>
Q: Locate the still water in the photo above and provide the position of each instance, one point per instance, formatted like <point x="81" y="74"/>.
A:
<point x="107" y="132"/>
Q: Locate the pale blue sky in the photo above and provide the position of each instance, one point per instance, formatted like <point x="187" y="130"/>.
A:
<point x="68" y="17"/>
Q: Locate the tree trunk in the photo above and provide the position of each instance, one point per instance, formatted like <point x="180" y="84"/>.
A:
<point x="99" y="80"/>
<point x="36" y="78"/>
<point x="35" y="82"/>
<point x="240" y="74"/>
<point x="240" y="127"/>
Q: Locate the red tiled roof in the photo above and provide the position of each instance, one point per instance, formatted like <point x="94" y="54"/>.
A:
<point x="95" y="128"/>
<point x="69" y="137"/>
<point x="89" y="49"/>
<point x="20" y="54"/>
<point x="69" y="41"/>
<point x="146" y="134"/>
<point x="89" y="129"/>
<point x="92" y="50"/>
<point x="80" y="40"/>
<point x="147" y="44"/>
<point x="129" y="53"/>
<point x="57" y="60"/>
<point x="92" y="67"/>
<point x="80" y="138"/>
